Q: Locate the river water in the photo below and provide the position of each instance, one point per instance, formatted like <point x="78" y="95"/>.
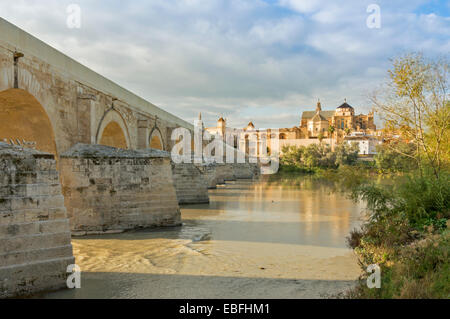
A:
<point x="273" y="238"/>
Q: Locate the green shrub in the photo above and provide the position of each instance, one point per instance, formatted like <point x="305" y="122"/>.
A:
<point x="421" y="200"/>
<point x="405" y="234"/>
<point x="419" y="270"/>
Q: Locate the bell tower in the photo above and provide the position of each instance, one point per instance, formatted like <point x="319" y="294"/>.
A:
<point x="319" y="106"/>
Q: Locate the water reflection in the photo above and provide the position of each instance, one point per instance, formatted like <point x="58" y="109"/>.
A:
<point x="275" y="238"/>
<point x="308" y="211"/>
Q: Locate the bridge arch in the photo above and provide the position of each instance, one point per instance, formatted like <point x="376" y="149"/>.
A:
<point x="156" y="140"/>
<point x="25" y="121"/>
<point x="113" y="130"/>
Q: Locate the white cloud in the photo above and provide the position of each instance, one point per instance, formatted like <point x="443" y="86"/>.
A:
<point x="286" y="31"/>
<point x="302" y="6"/>
<point x="243" y="59"/>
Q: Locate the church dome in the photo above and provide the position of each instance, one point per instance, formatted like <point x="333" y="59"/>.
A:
<point x="345" y="106"/>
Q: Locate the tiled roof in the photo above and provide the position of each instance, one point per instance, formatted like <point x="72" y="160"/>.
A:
<point x="356" y="138"/>
<point x="345" y="105"/>
<point x="318" y="118"/>
<point x="309" y="114"/>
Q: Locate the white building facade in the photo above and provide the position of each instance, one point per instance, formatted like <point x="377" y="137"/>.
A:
<point x="367" y="144"/>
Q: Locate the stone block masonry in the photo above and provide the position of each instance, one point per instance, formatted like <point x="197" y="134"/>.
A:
<point x="246" y="170"/>
<point x="78" y="104"/>
<point x="210" y="174"/>
<point x="192" y="180"/>
<point x="111" y="189"/>
<point x="217" y="173"/>
<point x="190" y="183"/>
<point x="35" y="247"/>
<point x="225" y="171"/>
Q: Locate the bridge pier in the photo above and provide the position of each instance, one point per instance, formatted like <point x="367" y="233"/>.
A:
<point x="245" y="170"/>
<point x="218" y="173"/>
<point x="35" y="247"/>
<point x="225" y="171"/>
<point x="209" y="172"/>
<point x="110" y="189"/>
<point x="190" y="183"/>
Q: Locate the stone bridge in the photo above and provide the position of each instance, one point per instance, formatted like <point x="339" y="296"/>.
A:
<point x="81" y="155"/>
<point x="63" y="102"/>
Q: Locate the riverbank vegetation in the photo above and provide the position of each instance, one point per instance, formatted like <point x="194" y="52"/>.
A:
<point x="395" y="158"/>
<point x="391" y="159"/>
<point x="406" y="231"/>
<point x="406" y="235"/>
<point x="314" y="157"/>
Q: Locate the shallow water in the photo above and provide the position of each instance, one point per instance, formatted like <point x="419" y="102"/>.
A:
<point x="274" y="238"/>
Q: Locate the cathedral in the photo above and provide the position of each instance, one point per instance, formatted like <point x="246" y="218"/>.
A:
<point x="331" y="127"/>
<point x="335" y="123"/>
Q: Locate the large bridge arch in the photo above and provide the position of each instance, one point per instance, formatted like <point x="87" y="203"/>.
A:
<point x="23" y="118"/>
<point x="113" y="131"/>
<point x="156" y="140"/>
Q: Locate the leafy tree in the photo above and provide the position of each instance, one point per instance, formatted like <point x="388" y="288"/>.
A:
<point x="319" y="156"/>
<point x="346" y="154"/>
<point x="395" y="157"/>
<point x="320" y="137"/>
<point x="331" y="130"/>
<point x="292" y="156"/>
<point x="415" y="102"/>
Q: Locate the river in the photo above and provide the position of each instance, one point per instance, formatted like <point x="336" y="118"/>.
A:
<point x="272" y="238"/>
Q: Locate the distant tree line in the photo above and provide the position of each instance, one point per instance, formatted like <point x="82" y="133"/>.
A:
<point x="318" y="156"/>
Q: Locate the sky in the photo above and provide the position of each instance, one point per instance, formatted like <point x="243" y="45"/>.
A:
<point x="245" y="60"/>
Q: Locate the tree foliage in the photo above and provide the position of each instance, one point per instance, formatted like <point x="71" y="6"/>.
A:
<point x="415" y="102"/>
<point x="319" y="156"/>
<point x="395" y="158"/>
